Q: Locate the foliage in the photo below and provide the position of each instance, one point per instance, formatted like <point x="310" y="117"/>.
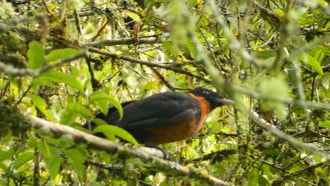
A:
<point x="64" y="61"/>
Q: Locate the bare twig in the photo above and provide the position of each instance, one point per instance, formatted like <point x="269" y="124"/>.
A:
<point x="123" y="41"/>
<point x="234" y="45"/>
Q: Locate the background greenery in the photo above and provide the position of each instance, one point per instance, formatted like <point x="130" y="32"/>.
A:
<point x="66" y="60"/>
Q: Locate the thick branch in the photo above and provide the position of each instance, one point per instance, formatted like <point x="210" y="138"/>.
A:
<point x="111" y="147"/>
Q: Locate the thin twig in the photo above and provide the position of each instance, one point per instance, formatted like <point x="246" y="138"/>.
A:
<point x="122" y="41"/>
<point x="146" y="63"/>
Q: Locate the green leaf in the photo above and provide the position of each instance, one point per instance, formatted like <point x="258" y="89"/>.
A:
<point x="134" y="16"/>
<point x="325" y="124"/>
<point x="72" y="111"/>
<point x="53" y="165"/>
<point x="5" y="155"/>
<point x="44" y="149"/>
<point x="77" y="157"/>
<point x="253" y="176"/>
<point x="42" y="106"/>
<point x="110" y="130"/>
<point x="103" y="100"/>
<point x="51" y="156"/>
<point x="36" y="55"/>
<point x="319" y="56"/>
<point x="148" y="86"/>
<point x="58" y="77"/>
<point x="215" y="127"/>
<point x="61" y="54"/>
<point x="22" y="159"/>
<point x="276" y="88"/>
<point x="312" y="62"/>
<point x="325" y="81"/>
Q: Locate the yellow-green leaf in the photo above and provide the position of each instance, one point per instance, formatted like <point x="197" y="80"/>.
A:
<point x="36" y="55"/>
<point x="72" y="111"/>
<point x="312" y="62"/>
<point x="275" y="88"/>
<point x="42" y="106"/>
<point x="22" y="159"/>
<point x="60" y="54"/>
<point x="102" y="100"/>
<point x="110" y="130"/>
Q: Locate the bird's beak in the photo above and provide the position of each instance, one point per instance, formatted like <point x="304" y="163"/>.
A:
<point x="225" y="101"/>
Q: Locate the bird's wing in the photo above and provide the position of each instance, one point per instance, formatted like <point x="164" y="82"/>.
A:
<point x="157" y="110"/>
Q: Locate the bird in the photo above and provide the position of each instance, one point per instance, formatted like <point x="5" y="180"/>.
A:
<point x="165" y="117"/>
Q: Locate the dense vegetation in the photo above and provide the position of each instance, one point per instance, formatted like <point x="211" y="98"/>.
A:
<point x="64" y="61"/>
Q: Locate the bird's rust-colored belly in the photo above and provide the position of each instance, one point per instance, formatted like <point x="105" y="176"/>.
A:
<point x="174" y="132"/>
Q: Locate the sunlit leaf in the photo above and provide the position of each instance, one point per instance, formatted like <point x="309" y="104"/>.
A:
<point x="53" y="165"/>
<point x="102" y="100"/>
<point x="134" y="16"/>
<point x="319" y="56"/>
<point x="58" y="77"/>
<point x="276" y="88"/>
<point x="215" y="127"/>
<point x="42" y="106"/>
<point x="312" y="62"/>
<point x="22" y="159"/>
<point x="61" y="54"/>
<point x="325" y="124"/>
<point x="325" y="80"/>
<point x="148" y="86"/>
<point x="77" y="156"/>
<point x="72" y="111"/>
<point x="110" y="130"/>
<point x="4" y="155"/>
<point x="36" y="55"/>
<point x="44" y="149"/>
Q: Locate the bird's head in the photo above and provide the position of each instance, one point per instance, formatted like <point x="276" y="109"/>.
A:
<point x="213" y="98"/>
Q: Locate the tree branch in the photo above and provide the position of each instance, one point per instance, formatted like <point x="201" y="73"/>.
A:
<point x="311" y="148"/>
<point x="8" y="69"/>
